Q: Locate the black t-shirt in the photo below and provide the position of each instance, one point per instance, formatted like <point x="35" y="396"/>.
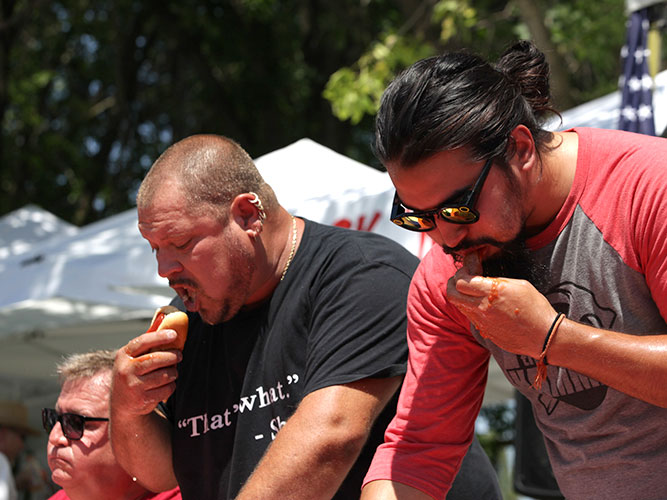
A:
<point x="337" y="317"/>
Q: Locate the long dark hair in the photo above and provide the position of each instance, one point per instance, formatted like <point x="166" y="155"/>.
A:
<point x="460" y="100"/>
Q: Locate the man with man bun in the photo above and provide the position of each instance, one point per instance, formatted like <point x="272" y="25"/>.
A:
<point x="551" y="257"/>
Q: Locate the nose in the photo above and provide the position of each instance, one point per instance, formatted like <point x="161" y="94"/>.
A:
<point x="448" y="234"/>
<point x="56" y="435"/>
<point x="167" y="264"/>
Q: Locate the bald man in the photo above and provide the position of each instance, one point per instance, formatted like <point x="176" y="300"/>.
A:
<point x="296" y="345"/>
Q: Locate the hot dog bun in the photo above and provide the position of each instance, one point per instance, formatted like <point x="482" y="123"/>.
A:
<point x="169" y="317"/>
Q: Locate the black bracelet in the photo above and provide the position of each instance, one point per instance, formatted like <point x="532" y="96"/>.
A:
<point x="541" y="365"/>
<point x="551" y="330"/>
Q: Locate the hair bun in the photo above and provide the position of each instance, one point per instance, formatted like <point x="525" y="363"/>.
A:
<point x="527" y="67"/>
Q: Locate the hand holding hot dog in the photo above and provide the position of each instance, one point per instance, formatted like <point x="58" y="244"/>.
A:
<point x="170" y="318"/>
<point x="509" y="312"/>
<point x="145" y="369"/>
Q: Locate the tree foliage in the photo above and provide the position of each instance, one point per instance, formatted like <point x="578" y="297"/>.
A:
<point x="581" y="39"/>
<point x="92" y="91"/>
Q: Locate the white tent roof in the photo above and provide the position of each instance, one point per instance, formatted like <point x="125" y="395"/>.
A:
<point x="634" y="5"/>
<point x="28" y="225"/>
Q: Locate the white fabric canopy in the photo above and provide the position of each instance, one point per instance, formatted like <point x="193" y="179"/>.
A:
<point x="22" y="228"/>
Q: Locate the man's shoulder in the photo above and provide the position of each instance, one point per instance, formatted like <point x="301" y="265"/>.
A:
<point x="361" y="244"/>
<point x="620" y="146"/>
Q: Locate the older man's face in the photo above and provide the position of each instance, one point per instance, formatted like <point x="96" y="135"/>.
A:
<point x="74" y="463"/>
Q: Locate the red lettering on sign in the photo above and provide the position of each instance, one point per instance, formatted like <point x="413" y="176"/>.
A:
<point x="343" y="223"/>
<point x="347" y="223"/>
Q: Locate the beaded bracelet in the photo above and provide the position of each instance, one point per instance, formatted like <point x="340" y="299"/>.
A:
<point x="542" y="360"/>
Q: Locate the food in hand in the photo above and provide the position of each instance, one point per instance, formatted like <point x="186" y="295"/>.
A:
<point x="171" y="318"/>
<point x="473" y="264"/>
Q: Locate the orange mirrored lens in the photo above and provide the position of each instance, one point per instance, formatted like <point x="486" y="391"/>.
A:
<point x="412" y="222"/>
<point x="462" y="214"/>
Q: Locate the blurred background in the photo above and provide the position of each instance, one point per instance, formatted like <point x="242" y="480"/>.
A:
<point x="92" y="91"/>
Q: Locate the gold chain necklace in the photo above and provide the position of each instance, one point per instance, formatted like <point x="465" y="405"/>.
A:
<point x="291" y="253"/>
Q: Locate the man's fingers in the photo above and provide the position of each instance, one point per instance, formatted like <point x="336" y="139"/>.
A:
<point x="474" y="286"/>
<point x="153" y="361"/>
<point x="144" y="343"/>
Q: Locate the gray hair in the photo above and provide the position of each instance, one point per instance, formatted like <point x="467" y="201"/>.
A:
<point x="85" y="365"/>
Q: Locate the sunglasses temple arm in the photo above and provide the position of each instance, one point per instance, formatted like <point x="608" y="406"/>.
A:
<point x="474" y="193"/>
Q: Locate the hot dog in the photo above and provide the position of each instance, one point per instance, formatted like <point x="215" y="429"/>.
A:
<point x="169" y="317"/>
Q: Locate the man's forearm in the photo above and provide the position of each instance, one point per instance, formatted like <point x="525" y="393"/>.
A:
<point x="142" y="445"/>
<point x="314" y="451"/>
<point x="315" y="471"/>
<point x="304" y="462"/>
<point x="612" y="358"/>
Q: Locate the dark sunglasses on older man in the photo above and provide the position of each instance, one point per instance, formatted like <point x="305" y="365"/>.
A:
<point x="72" y="424"/>
<point x="458" y="211"/>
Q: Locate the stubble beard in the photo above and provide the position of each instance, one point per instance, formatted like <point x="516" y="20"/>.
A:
<point x="218" y="310"/>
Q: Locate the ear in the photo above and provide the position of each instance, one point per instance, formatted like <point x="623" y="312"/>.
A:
<point x="525" y="154"/>
<point x="248" y="212"/>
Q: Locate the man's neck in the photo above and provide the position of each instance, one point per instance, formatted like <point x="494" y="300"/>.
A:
<point x="280" y="244"/>
<point x="554" y="182"/>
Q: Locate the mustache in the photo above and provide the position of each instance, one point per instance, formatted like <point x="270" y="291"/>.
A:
<point x="183" y="282"/>
<point x="467" y="245"/>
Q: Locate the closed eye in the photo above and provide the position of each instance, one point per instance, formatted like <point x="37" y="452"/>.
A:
<point x="182" y="246"/>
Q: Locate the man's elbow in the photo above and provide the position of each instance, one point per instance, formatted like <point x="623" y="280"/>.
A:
<point x="343" y="443"/>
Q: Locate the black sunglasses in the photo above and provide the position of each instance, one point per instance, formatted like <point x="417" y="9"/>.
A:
<point x="460" y="211"/>
<point x="72" y="424"/>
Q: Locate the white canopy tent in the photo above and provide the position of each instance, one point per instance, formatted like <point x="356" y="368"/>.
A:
<point x="22" y="228"/>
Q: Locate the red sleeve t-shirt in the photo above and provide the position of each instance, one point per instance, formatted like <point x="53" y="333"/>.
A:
<point x="606" y="254"/>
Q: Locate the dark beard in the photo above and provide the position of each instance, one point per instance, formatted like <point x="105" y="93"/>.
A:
<point x="515" y="261"/>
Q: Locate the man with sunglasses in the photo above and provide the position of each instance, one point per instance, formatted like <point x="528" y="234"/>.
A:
<point x="79" y="451"/>
<point x="551" y="257"/>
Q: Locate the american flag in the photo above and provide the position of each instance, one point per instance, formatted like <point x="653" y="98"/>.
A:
<point x="636" y="83"/>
